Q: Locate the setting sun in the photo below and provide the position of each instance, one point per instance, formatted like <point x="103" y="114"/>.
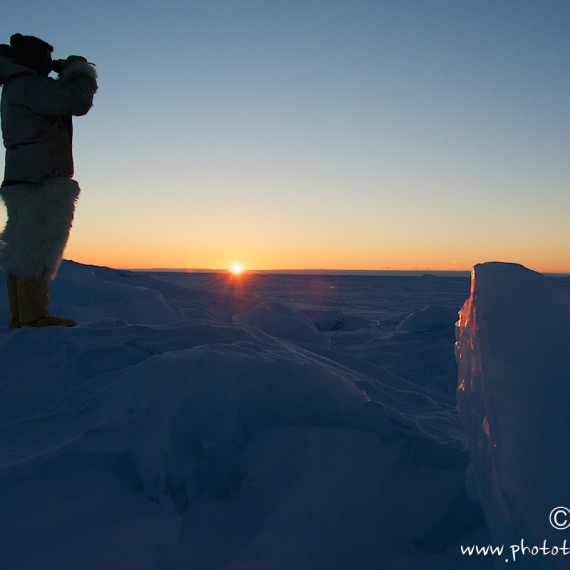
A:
<point x="236" y="269"/>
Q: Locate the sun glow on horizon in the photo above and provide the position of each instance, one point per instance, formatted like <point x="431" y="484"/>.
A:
<point x="236" y="269"/>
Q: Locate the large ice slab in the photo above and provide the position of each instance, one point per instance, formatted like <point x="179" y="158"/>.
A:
<point x="513" y="397"/>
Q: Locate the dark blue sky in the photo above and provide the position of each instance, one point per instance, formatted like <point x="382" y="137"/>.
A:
<point x="346" y="134"/>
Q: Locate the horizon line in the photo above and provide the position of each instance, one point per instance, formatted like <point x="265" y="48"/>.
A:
<point x="313" y="271"/>
<point x="411" y="272"/>
<point x="363" y="272"/>
<point x="310" y="270"/>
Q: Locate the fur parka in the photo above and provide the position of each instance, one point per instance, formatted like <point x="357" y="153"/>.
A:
<point x="38" y="191"/>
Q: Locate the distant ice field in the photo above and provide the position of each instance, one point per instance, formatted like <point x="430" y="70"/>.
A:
<point x="379" y="299"/>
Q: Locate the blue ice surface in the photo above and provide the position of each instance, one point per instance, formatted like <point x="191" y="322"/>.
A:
<point x="205" y="421"/>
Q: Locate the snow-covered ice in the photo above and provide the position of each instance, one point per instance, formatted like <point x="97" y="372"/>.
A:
<point x="514" y="400"/>
<point x="271" y="422"/>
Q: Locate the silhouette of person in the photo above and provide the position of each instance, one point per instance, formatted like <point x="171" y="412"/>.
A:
<point x="38" y="189"/>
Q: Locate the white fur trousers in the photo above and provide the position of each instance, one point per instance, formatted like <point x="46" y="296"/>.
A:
<point x="39" y="221"/>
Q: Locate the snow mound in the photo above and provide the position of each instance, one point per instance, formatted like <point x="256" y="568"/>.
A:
<point x="83" y="294"/>
<point x="514" y="401"/>
<point x="176" y="428"/>
<point x="335" y="320"/>
<point x="433" y="316"/>
<point x="276" y="319"/>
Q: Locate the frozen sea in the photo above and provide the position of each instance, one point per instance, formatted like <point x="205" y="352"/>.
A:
<point x="282" y="422"/>
<point x="380" y="299"/>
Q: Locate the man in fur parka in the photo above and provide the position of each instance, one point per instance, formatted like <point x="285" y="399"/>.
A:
<point x="38" y="189"/>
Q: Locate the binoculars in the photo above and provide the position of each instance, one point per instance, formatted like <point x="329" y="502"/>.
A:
<point x="58" y="65"/>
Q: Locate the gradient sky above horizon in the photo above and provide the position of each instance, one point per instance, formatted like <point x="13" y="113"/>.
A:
<point x="353" y="134"/>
